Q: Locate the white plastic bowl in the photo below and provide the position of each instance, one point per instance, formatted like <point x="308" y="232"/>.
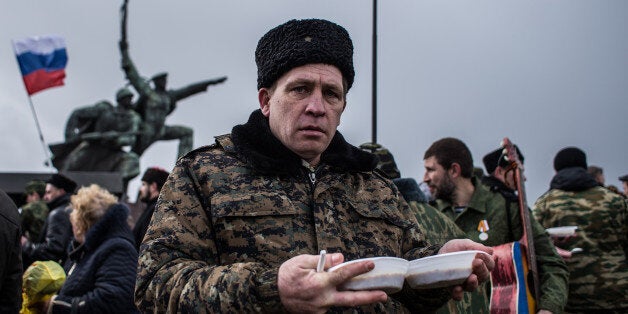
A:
<point x="562" y="231"/>
<point x="441" y="270"/>
<point x="388" y="275"/>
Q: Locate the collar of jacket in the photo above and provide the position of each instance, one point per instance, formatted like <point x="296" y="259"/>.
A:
<point x="111" y="224"/>
<point x="496" y="185"/>
<point x="59" y="201"/>
<point x="573" y="179"/>
<point x="263" y="152"/>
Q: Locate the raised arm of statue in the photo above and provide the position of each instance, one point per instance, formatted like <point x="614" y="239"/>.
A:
<point x="195" y="88"/>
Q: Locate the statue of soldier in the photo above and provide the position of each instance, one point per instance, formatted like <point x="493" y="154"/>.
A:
<point x="155" y="104"/>
<point x="96" y="137"/>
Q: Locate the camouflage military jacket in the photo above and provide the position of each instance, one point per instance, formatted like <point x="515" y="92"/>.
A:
<point x="232" y="212"/>
<point x="32" y="219"/>
<point x="491" y="206"/>
<point x="598" y="275"/>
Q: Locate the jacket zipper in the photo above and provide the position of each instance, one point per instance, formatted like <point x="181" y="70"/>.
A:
<point x="311" y="172"/>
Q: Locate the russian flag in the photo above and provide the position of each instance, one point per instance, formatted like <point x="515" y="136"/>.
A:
<point x="42" y="61"/>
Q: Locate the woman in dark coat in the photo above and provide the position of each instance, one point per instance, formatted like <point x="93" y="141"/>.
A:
<point x="102" y="262"/>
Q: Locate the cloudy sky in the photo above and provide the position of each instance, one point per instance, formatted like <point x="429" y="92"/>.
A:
<point x="547" y="74"/>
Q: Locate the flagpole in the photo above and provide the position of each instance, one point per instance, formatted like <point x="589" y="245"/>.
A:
<point x="374" y="77"/>
<point x="41" y="135"/>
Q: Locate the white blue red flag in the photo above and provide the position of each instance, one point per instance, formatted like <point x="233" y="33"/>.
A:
<point x="42" y="61"/>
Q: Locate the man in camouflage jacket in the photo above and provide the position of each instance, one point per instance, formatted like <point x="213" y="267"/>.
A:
<point x="483" y="215"/>
<point x="237" y="222"/>
<point x="598" y="280"/>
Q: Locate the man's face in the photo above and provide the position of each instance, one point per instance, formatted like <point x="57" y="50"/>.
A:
<point x="438" y="180"/>
<point x="52" y="192"/>
<point x="625" y="184"/>
<point x="32" y="197"/>
<point x="126" y="102"/>
<point x="304" y="108"/>
<point x="145" y="193"/>
<point x="160" y="83"/>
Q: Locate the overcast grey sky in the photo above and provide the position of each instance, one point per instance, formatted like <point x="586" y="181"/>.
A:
<point x="547" y="74"/>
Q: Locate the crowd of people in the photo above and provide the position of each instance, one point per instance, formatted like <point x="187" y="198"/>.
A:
<point x="237" y="225"/>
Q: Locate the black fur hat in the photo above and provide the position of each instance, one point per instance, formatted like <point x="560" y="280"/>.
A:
<point x="498" y="158"/>
<point x="62" y="182"/>
<point x="300" y="42"/>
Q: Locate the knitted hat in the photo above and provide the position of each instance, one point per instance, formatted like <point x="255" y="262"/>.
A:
<point x="62" y="182"/>
<point x="498" y="158"/>
<point x="35" y="186"/>
<point x="570" y="157"/>
<point x="300" y="42"/>
<point x="155" y="175"/>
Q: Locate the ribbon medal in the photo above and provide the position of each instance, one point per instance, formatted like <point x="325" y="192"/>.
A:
<point x="483" y="228"/>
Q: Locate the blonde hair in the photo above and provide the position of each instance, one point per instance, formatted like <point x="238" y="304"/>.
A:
<point x="88" y="206"/>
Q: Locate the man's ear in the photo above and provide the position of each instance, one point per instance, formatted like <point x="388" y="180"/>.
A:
<point x="454" y="170"/>
<point x="263" y="96"/>
<point x="153" y="188"/>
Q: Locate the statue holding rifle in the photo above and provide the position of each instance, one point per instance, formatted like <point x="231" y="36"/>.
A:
<point x="156" y="102"/>
<point x="96" y="137"/>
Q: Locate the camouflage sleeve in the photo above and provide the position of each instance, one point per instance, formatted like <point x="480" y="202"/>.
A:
<point x="436" y="226"/>
<point x="179" y="268"/>
<point x="415" y="246"/>
<point x="539" y="213"/>
<point x="553" y="272"/>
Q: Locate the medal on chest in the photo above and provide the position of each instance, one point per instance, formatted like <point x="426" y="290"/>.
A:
<point x="483" y="228"/>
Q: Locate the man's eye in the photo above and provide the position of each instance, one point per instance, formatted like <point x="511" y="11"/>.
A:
<point x="332" y="94"/>
<point x="300" y="89"/>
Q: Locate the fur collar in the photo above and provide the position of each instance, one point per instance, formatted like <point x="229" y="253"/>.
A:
<point x="263" y="152"/>
<point x="113" y="224"/>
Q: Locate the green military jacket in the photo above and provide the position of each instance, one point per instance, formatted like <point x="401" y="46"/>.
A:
<point x="491" y="206"/>
<point x="599" y="274"/>
<point x="33" y="218"/>
<point x="438" y="229"/>
<point x="230" y="214"/>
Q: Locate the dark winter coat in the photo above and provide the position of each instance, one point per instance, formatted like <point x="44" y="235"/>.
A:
<point x="55" y="236"/>
<point x="101" y="271"/>
<point x="10" y="257"/>
<point x="139" y="230"/>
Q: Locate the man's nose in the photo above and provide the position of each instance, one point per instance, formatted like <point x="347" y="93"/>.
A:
<point x="315" y="104"/>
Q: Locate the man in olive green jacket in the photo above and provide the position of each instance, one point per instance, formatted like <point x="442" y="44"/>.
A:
<point x="484" y="216"/>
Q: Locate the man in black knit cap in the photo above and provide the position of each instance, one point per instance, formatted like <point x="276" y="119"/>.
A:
<point x="57" y="231"/>
<point x="598" y="276"/>
<point x="152" y="181"/>
<point x="239" y="224"/>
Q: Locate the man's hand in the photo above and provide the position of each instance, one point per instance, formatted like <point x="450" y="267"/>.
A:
<point x="303" y="290"/>
<point x="566" y="255"/>
<point x="481" y="265"/>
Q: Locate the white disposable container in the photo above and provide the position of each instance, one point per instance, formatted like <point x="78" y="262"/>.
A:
<point x="564" y="231"/>
<point x="441" y="270"/>
<point x="388" y="275"/>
